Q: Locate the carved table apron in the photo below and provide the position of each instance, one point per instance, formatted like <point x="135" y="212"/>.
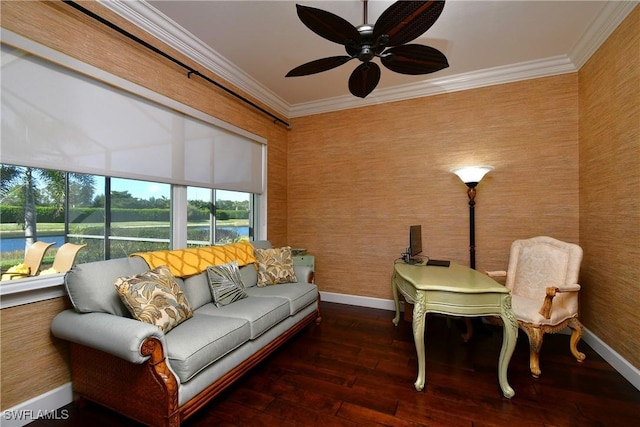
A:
<point x="459" y="291"/>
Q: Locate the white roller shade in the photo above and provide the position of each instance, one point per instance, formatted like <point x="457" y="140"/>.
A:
<point x="57" y="118"/>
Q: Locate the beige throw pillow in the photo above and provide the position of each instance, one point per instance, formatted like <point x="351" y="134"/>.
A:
<point x="155" y="297"/>
<point x="275" y="266"/>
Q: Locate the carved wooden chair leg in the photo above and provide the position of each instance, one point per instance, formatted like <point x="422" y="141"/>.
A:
<point x="576" y="335"/>
<point x="535" y="343"/>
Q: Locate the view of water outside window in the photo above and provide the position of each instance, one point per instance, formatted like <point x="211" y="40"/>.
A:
<point x="113" y="217"/>
<point x="232" y="216"/>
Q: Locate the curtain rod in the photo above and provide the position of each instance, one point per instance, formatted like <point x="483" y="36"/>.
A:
<point x="190" y="70"/>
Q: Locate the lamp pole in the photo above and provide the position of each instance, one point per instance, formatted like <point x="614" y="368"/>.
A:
<point x="471" y="192"/>
<point x="472" y="176"/>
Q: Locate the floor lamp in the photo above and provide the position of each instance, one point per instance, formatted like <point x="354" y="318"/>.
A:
<point x="471" y="176"/>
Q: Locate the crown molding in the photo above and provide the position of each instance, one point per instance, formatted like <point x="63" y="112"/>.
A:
<point x="476" y="79"/>
<point x="612" y="15"/>
<point x="146" y="17"/>
<point x="143" y="15"/>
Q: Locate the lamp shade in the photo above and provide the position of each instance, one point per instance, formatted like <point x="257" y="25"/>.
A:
<point x="472" y="173"/>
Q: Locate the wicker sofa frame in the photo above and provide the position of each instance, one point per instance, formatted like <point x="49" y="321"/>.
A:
<point x="121" y="385"/>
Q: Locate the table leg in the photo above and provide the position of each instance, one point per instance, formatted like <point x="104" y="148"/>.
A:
<point x="394" y="289"/>
<point x="509" y="337"/>
<point x="419" y="315"/>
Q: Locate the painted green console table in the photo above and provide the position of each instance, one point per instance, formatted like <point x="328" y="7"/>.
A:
<point x="458" y="291"/>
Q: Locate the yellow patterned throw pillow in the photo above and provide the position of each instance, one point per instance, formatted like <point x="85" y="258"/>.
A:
<point x="275" y="266"/>
<point x="154" y="297"/>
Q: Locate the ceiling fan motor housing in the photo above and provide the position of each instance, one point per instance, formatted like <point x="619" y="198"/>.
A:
<point x="365" y="50"/>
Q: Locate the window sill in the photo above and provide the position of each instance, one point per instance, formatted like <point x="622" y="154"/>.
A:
<point x="32" y="289"/>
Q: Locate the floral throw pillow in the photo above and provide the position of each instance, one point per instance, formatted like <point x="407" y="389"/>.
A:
<point x="155" y="297"/>
<point x="225" y="283"/>
<point x="275" y="266"/>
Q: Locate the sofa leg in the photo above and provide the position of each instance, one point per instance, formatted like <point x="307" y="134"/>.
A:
<point x="319" y="318"/>
<point x="174" y="420"/>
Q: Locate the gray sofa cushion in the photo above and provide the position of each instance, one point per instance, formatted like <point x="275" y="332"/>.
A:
<point x="91" y="285"/>
<point x="249" y="275"/>
<point x="299" y="295"/>
<point x="200" y="341"/>
<point x="262" y="244"/>
<point x="261" y="313"/>
<point x="196" y="288"/>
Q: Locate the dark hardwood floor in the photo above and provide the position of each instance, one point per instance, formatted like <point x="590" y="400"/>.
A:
<point x="357" y="369"/>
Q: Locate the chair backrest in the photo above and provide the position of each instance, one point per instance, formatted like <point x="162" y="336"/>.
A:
<point x="66" y="256"/>
<point x="34" y="256"/>
<point x="539" y="262"/>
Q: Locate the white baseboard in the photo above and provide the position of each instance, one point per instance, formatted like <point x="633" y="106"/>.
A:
<point x="45" y="406"/>
<point x="626" y="369"/>
<point x="360" y="301"/>
<point x="48" y="404"/>
<point x="620" y="364"/>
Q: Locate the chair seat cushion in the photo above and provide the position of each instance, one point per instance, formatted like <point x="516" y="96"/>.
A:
<point x="197" y="343"/>
<point x="299" y="295"/>
<point x="261" y="313"/>
<point x="527" y="310"/>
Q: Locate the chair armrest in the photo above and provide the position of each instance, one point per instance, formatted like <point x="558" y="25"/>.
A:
<point x="303" y="273"/>
<point x="498" y="273"/>
<point x="119" y="336"/>
<point x="567" y="288"/>
<point x="545" y="309"/>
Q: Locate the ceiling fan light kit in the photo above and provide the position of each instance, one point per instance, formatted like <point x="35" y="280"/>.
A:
<point x="387" y="39"/>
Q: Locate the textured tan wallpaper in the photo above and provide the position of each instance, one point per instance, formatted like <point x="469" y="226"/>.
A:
<point x="610" y="190"/>
<point x="32" y="361"/>
<point x="359" y="178"/>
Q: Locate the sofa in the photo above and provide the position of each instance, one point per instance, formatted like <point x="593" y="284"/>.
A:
<point x="160" y="375"/>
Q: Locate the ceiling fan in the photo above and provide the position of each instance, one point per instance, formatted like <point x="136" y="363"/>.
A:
<point x="399" y="24"/>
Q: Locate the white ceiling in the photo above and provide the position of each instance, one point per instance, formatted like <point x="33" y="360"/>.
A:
<point x="254" y="44"/>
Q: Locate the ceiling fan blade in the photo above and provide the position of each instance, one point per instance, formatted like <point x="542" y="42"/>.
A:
<point x="364" y="79"/>
<point x="318" y="66"/>
<point x="414" y="59"/>
<point x="327" y="25"/>
<point x="404" y="21"/>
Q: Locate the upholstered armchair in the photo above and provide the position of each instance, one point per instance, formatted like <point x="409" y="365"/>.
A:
<point x="543" y="278"/>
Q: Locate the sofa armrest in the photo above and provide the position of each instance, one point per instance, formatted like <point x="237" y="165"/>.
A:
<point x="119" y="336"/>
<point x="303" y="273"/>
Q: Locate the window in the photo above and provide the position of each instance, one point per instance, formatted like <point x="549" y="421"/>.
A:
<point x="231" y="213"/>
<point x="114" y="217"/>
<point x="139" y="217"/>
